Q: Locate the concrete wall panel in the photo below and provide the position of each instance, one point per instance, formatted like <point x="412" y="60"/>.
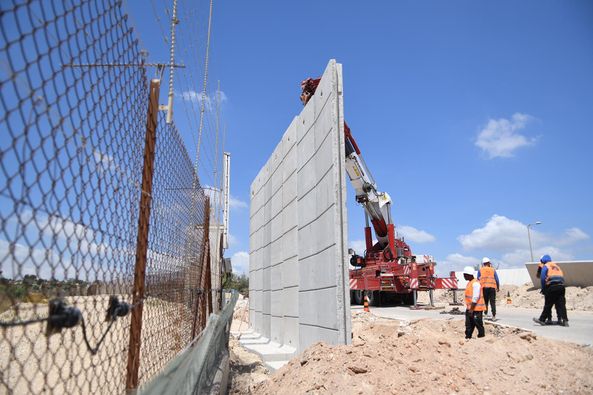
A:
<point x="576" y="273"/>
<point x="298" y="258"/>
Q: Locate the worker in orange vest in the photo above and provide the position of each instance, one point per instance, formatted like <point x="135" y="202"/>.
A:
<point x="490" y="284"/>
<point x="474" y="302"/>
<point x="552" y="282"/>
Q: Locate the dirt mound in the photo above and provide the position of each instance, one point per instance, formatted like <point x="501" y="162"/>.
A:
<point x="527" y="296"/>
<point x="246" y="369"/>
<point x="524" y="296"/>
<point x="241" y="316"/>
<point x="431" y="356"/>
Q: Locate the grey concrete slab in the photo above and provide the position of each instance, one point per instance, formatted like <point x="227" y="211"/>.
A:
<point x="298" y="228"/>
<point x="576" y="273"/>
<point x="580" y="330"/>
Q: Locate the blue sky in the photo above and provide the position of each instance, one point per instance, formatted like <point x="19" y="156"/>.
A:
<point x="476" y="117"/>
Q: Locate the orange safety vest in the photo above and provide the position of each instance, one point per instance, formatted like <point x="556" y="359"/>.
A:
<point x="555" y="275"/>
<point x="480" y="306"/>
<point x="487" y="277"/>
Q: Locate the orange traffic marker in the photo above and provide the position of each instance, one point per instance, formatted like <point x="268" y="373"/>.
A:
<point x="509" y="301"/>
<point x="366" y="304"/>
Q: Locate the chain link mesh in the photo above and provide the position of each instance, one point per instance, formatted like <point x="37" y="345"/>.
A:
<point x="71" y="163"/>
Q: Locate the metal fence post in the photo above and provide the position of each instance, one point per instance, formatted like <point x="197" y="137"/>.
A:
<point x="205" y="257"/>
<point x="142" y="244"/>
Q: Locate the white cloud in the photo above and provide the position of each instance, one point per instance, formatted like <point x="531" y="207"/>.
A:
<point x="415" y="235"/>
<point x="518" y="257"/>
<point x="573" y="235"/>
<point x="500" y="138"/>
<point x="214" y="194"/>
<point x="199" y="97"/>
<point x="500" y="234"/>
<point x="20" y="260"/>
<point x="240" y="262"/>
<point x="507" y="238"/>
<point x="455" y="262"/>
<point x="457" y="259"/>
<point x="236" y="203"/>
<point x="104" y="161"/>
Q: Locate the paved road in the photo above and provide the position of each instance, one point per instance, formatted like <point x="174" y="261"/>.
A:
<point x="580" y="330"/>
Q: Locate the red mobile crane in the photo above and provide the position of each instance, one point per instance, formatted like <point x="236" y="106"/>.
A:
<point x="387" y="269"/>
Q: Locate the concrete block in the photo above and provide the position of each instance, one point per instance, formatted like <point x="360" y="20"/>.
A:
<point x="291" y="330"/>
<point x="290" y="272"/>
<point x="298" y="224"/>
<point x="277" y="331"/>
<point x="276" y="281"/>
<point x="309" y="334"/>
<point x="321" y="273"/>
<point x="290" y="301"/>
<point x="576" y="273"/>
<point x="290" y="243"/>
<point x="318" y="307"/>
<point x="317" y="235"/>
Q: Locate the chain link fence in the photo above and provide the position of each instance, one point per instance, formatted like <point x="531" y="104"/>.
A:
<point x="104" y="256"/>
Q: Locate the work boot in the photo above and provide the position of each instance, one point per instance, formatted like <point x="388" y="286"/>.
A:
<point x="539" y="321"/>
<point x="563" y="322"/>
<point x="549" y="322"/>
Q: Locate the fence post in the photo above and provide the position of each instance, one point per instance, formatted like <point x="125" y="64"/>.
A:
<point x="199" y="319"/>
<point x="142" y="244"/>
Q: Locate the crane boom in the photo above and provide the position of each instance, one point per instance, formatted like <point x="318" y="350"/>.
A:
<point x="387" y="269"/>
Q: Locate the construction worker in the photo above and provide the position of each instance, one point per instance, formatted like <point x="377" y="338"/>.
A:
<point x="552" y="282"/>
<point x="474" y="301"/>
<point x="490" y="284"/>
<point x="538" y="274"/>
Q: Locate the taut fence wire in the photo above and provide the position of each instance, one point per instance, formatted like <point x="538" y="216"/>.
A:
<point x="104" y="246"/>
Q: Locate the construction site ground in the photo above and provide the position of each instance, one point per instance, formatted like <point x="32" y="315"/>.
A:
<point x="399" y="350"/>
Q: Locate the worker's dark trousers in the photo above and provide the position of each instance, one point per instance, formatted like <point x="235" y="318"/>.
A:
<point x="473" y="320"/>
<point x="555" y="296"/>
<point x="490" y="296"/>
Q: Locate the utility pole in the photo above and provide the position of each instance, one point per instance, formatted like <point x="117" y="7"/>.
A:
<point x="174" y="22"/>
<point x="226" y="191"/>
<point x="529" y="237"/>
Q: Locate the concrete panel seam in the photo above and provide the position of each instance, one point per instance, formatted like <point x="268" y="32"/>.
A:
<point x="317" y="289"/>
<point x="319" y="112"/>
<point x="319" y="216"/>
<point x="317" y="184"/>
<point x="318" y="326"/>
<point x="317" y="252"/>
<point x="315" y="151"/>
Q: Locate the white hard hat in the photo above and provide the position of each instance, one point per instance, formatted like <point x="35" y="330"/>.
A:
<point x="485" y="260"/>
<point x="468" y="270"/>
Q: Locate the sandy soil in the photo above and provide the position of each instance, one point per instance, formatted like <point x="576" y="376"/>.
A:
<point x="431" y="356"/>
<point x="525" y="296"/>
<point x="247" y="369"/>
<point x="30" y="362"/>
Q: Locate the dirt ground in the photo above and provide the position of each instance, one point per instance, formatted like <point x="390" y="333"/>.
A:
<point x="247" y="369"/>
<point x="31" y="362"/>
<point x="425" y="356"/>
<point x="525" y="296"/>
